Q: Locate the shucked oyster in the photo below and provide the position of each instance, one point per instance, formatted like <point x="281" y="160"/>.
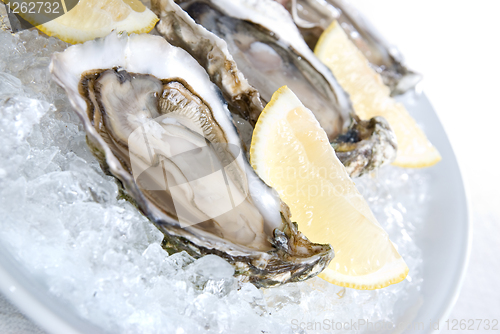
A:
<point x="312" y="17"/>
<point x="157" y="123"/>
<point x="259" y="39"/>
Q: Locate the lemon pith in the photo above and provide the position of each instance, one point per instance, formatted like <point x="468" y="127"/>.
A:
<point x="370" y="97"/>
<point x="291" y="153"/>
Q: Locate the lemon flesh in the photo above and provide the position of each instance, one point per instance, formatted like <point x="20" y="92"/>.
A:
<point x="291" y="153"/>
<point x="90" y="19"/>
<point x="370" y="97"/>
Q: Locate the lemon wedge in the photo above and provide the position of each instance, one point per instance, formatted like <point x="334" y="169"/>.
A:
<point x="291" y="153"/>
<point x="370" y="97"/>
<point x="90" y="19"/>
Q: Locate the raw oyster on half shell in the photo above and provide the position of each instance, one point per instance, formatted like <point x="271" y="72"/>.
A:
<point x="159" y="125"/>
<point x="255" y="44"/>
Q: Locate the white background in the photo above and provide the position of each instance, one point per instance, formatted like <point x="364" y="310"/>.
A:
<point x="456" y="45"/>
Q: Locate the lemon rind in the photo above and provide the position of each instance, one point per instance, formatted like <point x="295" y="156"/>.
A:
<point x="389" y="274"/>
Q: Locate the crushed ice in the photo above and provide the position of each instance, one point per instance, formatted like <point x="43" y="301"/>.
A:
<point x="61" y="219"/>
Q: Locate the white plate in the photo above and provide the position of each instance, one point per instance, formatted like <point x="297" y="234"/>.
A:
<point x="447" y="234"/>
<point x="445" y="240"/>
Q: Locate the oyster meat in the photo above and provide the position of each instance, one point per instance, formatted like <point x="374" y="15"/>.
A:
<point x="312" y="17"/>
<point x="159" y="125"/>
<point x="259" y="39"/>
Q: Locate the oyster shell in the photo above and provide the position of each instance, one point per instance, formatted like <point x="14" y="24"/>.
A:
<point x="260" y="40"/>
<point x="312" y="17"/>
<point x="156" y="123"/>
